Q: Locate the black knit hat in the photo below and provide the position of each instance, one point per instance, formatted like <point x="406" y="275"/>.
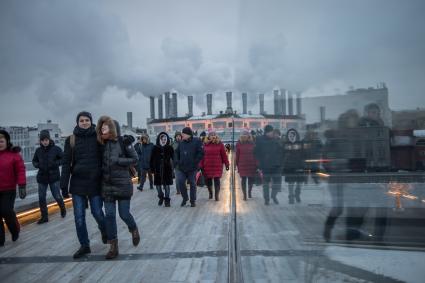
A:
<point x="44" y="134"/>
<point x="187" y="131"/>
<point x="85" y="114"/>
<point x="268" y="129"/>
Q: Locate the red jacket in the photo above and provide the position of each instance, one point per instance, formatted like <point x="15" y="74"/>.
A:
<point x="214" y="158"/>
<point x="12" y="170"/>
<point x="245" y="160"/>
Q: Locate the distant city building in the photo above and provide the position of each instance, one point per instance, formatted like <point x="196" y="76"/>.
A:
<point x="409" y="119"/>
<point x="319" y="108"/>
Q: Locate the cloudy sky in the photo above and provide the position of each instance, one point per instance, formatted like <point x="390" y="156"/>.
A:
<point x="59" y="57"/>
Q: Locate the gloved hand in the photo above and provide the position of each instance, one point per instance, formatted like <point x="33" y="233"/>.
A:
<point x="227" y="168"/>
<point x="22" y="191"/>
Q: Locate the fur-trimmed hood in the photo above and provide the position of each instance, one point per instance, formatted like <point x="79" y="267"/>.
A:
<point x="114" y="128"/>
<point x="159" y="135"/>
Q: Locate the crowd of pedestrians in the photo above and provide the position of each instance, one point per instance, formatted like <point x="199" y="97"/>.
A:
<point x="96" y="165"/>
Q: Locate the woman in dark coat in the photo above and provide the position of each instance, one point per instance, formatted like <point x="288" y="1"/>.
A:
<point x="118" y="156"/>
<point x="12" y="173"/>
<point x="161" y="165"/>
<point x="246" y="162"/>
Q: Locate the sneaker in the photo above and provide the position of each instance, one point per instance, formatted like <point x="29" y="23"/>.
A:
<point x="82" y="251"/>
<point x="42" y="220"/>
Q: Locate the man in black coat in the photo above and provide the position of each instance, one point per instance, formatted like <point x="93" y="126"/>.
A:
<point x="186" y="158"/>
<point x="47" y="158"/>
<point x="82" y="173"/>
<point x="269" y="151"/>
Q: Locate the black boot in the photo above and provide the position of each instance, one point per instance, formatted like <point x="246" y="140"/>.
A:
<point x="82" y="251"/>
<point x="183" y="202"/>
<point x="42" y="220"/>
<point x="63" y="212"/>
<point x="250" y="193"/>
<point x="161" y="201"/>
<point x="192" y="203"/>
<point x="210" y="193"/>
<point x="244" y="193"/>
<point x="167" y="202"/>
<point x="135" y="236"/>
<point x="104" y="237"/>
<point x="217" y="194"/>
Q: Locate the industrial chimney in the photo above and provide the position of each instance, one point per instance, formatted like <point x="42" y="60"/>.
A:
<point x="167" y="104"/>
<point x="244" y="103"/>
<point x="130" y="120"/>
<point x="299" y="109"/>
<point x="229" y="102"/>
<point x="174" y="103"/>
<point x="209" y="103"/>
<point x="152" y="100"/>
<point x="322" y="113"/>
<point x="261" y="97"/>
<point x="190" y="105"/>
<point x="290" y="104"/>
<point x="276" y="97"/>
<point x="283" y="99"/>
<point x="160" y="113"/>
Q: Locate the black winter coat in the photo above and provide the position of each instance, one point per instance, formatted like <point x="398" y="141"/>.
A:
<point x="82" y="165"/>
<point x="116" y="162"/>
<point x="161" y="163"/>
<point x="47" y="160"/>
<point x="269" y="153"/>
<point x="188" y="155"/>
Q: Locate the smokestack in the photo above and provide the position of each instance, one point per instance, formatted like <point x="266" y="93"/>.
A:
<point x="167" y="104"/>
<point x="283" y="100"/>
<point x="152" y="99"/>
<point x="322" y="113"/>
<point x="261" y="96"/>
<point x="229" y="101"/>
<point x="299" y="109"/>
<point x="276" y="102"/>
<point x="209" y="103"/>
<point x="174" y="103"/>
<point x="244" y="103"/>
<point x="130" y="120"/>
<point x="290" y="104"/>
<point x="190" y="105"/>
<point x="160" y="113"/>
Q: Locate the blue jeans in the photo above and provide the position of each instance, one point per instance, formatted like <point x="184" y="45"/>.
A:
<point x="276" y="183"/>
<point x="125" y="215"/>
<point x="181" y="178"/>
<point x="42" y="191"/>
<point x="79" y="203"/>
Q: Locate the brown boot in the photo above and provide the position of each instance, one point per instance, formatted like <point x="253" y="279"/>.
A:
<point x="113" y="251"/>
<point x="136" y="236"/>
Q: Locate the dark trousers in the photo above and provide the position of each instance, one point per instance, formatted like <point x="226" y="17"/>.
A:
<point x="249" y="180"/>
<point x="163" y="191"/>
<point x="7" y="212"/>
<point x="125" y="215"/>
<point x="275" y="181"/>
<point x="142" y="172"/>
<point x="181" y="178"/>
<point x="209" y="182"/>
<point x="79" y="203"/>
<point x="294" y="192"/>
<point x="42" y="191"/>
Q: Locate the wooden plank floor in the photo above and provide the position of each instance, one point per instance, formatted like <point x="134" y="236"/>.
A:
<point x="178" y="244"/>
